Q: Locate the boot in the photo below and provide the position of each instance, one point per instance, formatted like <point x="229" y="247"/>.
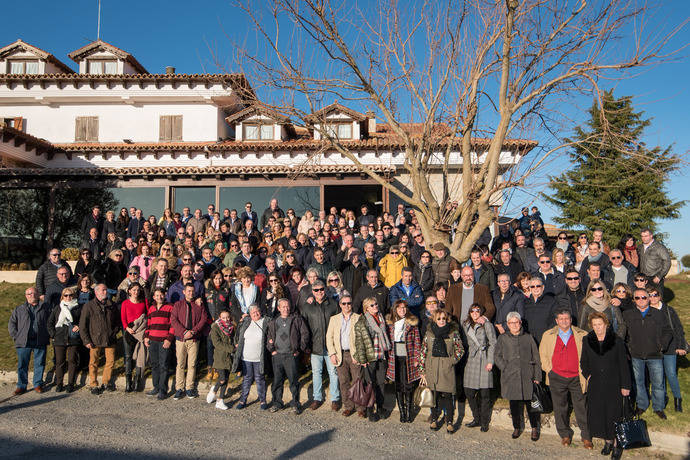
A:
<point x="209" y="374"/>
<point x="617" y="452"/>
<point x="138" y="383"/>
<point x="373" y="414"/>
<point x="128" y="382"/>
<point x="401" y="406"/>
<point x="409" y="404"/>
<point x="485" y="412"/>
<point x="678" y="404"/>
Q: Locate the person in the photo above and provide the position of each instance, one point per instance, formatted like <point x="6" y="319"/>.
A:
<point x="354" y="272"/>
<point x="317" y="312"/>
<point x="620" y="271"/>
<point x="478" y="376"/>
<point x="53" y="292"/>
<point x="287" y="337"/>
<point x="431" y="304"/>
<point x="628" y="247"/>
<point x="112" y="271"/>
<point x="144" y="260"/>
<point x="63" y="328"/>
<point x="135" y="225"/>
<point x="223" y="336"/>
<point x="98" y="327"/>
<point x="372" y="348"/>
<point x="28" y="327"/>
<point x="244" y="293"/>
<point x="94" y="244"/>
<point x="85" y="264"/>
<point x="508" y="264"/>
<point x="176" y="291"/>
<point x="408" y="290"/>
<point x="483" y="272"/>
<point x="506" y="298"/>
<point x="403" y="360"/>
<point x="539" y="310"/>
<point x="47" y="272"/>
<point x="133" y="315"/>
<point x="554" y="281"/>
<point x="573" y="295"/>
<point x="424" y="273"/>
<point x="372" y="288"/>
<point x="93" y="220"/>
<point x="598" y="299"/>
<point x="604" y="364"/>
<point x="441" y="351"/>
<point x="158" y="338"/>
<point x="217" y="296"/>
<point x="517" y="357"/>
<point x="648" y="336"/>
<point x="560" y="351"/>
<point x="122" y="223"/>
<point x="250" y="355"/>
<point x="462" y="295"/>
<point x="189" y="321"/>
<point x="441" y="263"/>
<point x="655" y="260"/>
<point x="621" y="297"/>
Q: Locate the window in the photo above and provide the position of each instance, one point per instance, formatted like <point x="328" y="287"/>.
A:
<point x="24" y="67"/>
<point x="86" y="129"/>
<point x="17" y="123"/>
<point x="339" y="130"/>
<point x="102" y="67"/>
<point x="255" y="132"/>
<point x="170" y="128"/>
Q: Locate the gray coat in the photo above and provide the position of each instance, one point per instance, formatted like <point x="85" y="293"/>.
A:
<point x="655" y="261"/>
<point x="239" y="338"/>
<point x="518" y="359"/>
<point x="20" y="323"/>
<point x="481" y="342"/>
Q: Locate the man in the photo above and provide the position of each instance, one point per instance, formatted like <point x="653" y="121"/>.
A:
<point x="363" y="238"/>
<point x="508" y="264"/>
<point x="94" y="244"/>
<point x="483" y="272"/>
<point x="248" y="214"/>
<point x="317" y="311"/>
<point x="649" y="334"/>
<point x="162" y="278"/>
<point x="400" y="214"/>
<point x="441" y="263"/>
<point x="620" y="271"/>
<point x="407" y="289"/>
<point x="417" y="248"/>
<point x="365" y="219"/>
<point x="131" y="278"/>
<point x="525" y="255"/>
<point x="554" y="282"/>
<point x="539" y="310"/>
<point x="524" y="220"/>
<point x="211" y="211"/>
<point x="129" y="252"/>
<point x="211" y="262"/>
<point x="594" y="272"/>
<point x="136" y="225"/>
<point x="93" y="220"/>
<point x="249" y="230"/>
<point x="176" y="291"/>
<point x="64" y="279"/>
<point x="380" y="245"/>
<point x="655" y="260"/>
<point x="469" y="293"/>
<point x="354" y="273"/>
<point x="560" y="351"/>
<point x="573" y="295"/>
<point x="98" y="326"/>
<point x="372" y="288"/>
<point x="47" y="272"/>
<point x="268" y="212"/>
<point x="234" y="222"/>
<point x="186" y="215"/>
<point x="595" y="256"/>
<point x="28" y="327"/>
<point x="340" y="342"/>
<point x="322" y="267"/>
<point x="370" y="258"/>
<point x="506" y="298"/>
<point x="252" y="261"/>
<point x="287" y="336"/>
<point x="198" y="222"/>
<point x="540" y="248"/>
<point x="188" y="320"/>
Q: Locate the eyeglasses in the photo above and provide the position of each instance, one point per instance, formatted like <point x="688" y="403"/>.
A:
<point x="418" y="236"/>
<point x="475" y="310"/>
<point x="272" y="281"/>
<point x="640" y="280"/>
<point x="654" y="294"/>
<point x="573" y="278"/>
<point x="536" y="286"/>
<point x="395" y="253"/>
<point x="641" y="297"/>
<point x="562" y="237"/>
<point x="544" y="262"/>
<point x="597" y="289"/>
<point x="68" y="296"/>
<point x="54" y="254"/>
<point x="345" y="303"/>
<point x="132" y="273"/>
<point x="317" y="289"/>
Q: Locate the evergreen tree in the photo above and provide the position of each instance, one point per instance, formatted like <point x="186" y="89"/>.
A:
<point x="616" y="182"/>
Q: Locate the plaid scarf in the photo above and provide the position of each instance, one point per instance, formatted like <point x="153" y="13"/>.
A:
<point x="379" y="337"/>
<point x="227" y="328"/>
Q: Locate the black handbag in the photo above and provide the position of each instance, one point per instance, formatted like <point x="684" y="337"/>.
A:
<point x="631" y="430"/>
<point x="541" y="399"/>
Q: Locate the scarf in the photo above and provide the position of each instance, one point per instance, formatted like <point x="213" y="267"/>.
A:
<point x="562" y="246"/>
<point x="597" y="304"/>
<point x="65" y="316"/>
<point x="226" y="328"/>
<point x="380" y="338"/>
<point x="245" y="303"/>
<point x="438" y="348"/>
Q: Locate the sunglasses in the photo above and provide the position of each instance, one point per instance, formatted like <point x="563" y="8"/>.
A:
<point x="395" y="252"/>
<point x="68" y="296"/>
<point x="615" y="257"/>
<point x="273" y="281"/>
<point x="54" y="254"/>
<point x="432" y="302"/>
<point x="597" y="289"/>
<point x="474" y="310"/>
<point x="573" y="278"/>
<point x="333" y="281"/>
<point x="317" y="289"/>
<point x="227" y="276"/>
<point x="641" y="297"/>
<point x="538" y="286"/>
<point x="654" y="294"/>
<point x="620" y="290"/>
<point x="562" y="237"/>
<point x="640" y="280"/>
<point x="345" y="303"/>
<point x="544" y="262"/>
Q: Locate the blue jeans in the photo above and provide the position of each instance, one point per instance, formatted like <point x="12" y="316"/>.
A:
<point x="656" y="376"/>
<point x="23" y="357"/>
<point x="671" y="374"/>
<point x="251" y="374"/>
<point x="316" y="371"/>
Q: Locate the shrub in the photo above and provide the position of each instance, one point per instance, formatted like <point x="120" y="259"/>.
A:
<point x="70" y="254"/>
<point x="685" y="260"/>
<point x="23" y="266"/>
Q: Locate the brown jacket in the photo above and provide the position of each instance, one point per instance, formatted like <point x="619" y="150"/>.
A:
<point x="482" y="296"/>
<point x="548" y="344"/>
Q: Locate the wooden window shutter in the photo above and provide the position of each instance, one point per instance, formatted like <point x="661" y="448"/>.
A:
<point x="164" y="130"/>
<point x="176" y="127"/>
<point x="18" y="123"/>
<point x="92" y="129"/>
<point x="80" y="129"/>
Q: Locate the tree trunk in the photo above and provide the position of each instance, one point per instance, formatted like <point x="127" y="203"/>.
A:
<point x="50" y="228"/>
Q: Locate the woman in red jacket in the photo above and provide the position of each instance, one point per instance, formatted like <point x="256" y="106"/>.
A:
<point x="133" y="313"/>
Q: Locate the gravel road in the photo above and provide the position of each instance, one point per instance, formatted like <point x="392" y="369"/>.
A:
<point x="113" y="425"/>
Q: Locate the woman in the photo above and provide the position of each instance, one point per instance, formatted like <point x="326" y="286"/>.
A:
<point x="424" y="274"/>
<point x="244" y="293"/>
<point x="84" y="291"/>
<point x="133" y="315"/>
<point x="604" y="364"/>
<point x="122" y="224"/>
<point x="372" y="346"/>
<point x="478" y="380"/>
<point x="109" y="225"/>
<point x="158" y="338"/>
<point x="628" y="247"/>
<point x="559" y="261"/>
<point x="522" y="283"/>
<point x="85" y="264"/>
<point x="269" y="297"/>
<point x="167" y="254"/>
<point x="167" y="222"/>
<point x="143" y="260"/>
<point x="223" y="336"/>
<point x="290" y="214"/>
<point x="598" y="299"/>
<point x="112" y="271"/>
<point x="161" y="236"/>
<point x="112" y="243"/>
<point x="63" y="328"/>
<point x="517" y="356"/>
<point x="217" y="300"/>
<point x="403" y="360"/>
<point x="153" y="222"/>
<point x="250" y="356"/>
<point x="621" y="297"/>
<point x="335" y="283"/>
<point x="564" y="245"/>
<point x="295" y="283"/>
<point x="677" y="347"/>
<point x="441" y="351"/>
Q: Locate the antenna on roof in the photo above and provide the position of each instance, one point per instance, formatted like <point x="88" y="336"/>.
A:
<point x="98" y="30"/>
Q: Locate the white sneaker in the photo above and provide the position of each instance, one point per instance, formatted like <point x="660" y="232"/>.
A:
<point x="220" y="404"/>
<point x="211" y="396"/>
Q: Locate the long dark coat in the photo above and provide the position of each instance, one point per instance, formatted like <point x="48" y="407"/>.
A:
<point x="518" y="359"/>
<point x="605" y="364"/>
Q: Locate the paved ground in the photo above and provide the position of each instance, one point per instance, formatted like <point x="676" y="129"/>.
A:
<point x="80" y="425"/>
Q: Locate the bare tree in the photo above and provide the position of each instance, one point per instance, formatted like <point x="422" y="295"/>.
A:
<point x="452" y="79"/>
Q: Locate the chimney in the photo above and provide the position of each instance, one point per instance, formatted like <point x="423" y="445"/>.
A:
<point x="371" y="122"/>
<point x="169" y="70"/>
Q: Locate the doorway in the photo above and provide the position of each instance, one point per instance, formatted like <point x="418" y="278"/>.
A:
<point x="353" y="197"/>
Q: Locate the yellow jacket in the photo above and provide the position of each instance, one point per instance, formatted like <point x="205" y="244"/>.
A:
<point x="390" y="269"/>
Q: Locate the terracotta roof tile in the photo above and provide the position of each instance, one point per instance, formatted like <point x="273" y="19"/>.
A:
<point x="79" y="54"/>
<point x="320" y="114"/>
<point x="7" y="50"/>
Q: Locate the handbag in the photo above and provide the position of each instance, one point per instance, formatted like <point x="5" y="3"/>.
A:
<point x="423" y="397"/>
<point x="541" y="402"/>
<point x="631" y="430"/>
<point x="361" y="393"/>
<point x="686" y="346"/>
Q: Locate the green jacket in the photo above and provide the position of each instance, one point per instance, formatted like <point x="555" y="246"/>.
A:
<point x="364" y="347"/>
<point x="223" y="347"/>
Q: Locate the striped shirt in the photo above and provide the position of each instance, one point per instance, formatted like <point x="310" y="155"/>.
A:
<point x="158" y="327"/>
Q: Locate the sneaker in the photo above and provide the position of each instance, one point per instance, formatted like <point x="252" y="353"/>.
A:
<point x="162" y="395"/>
<point x="240" y="406"/>
<point x="211" y="396"/>
<point x="191" y="394"/>
<point x="263" y="406"/>
<point x="153" y="392"/>
<point x="220" y="404"/>
<point x="179" y="394"/>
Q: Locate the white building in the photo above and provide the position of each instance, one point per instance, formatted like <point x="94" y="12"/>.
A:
<point x="183" y="140"/>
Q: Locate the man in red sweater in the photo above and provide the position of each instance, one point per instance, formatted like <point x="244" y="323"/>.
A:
<point x="560" y="350"/>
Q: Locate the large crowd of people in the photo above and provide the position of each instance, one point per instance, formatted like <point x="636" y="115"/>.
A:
<point x="359" y="297"/>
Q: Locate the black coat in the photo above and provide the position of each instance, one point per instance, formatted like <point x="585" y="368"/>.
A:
<point x="354" y="278"/>
<point x="605" y="365"/>
<point x="61" y="336"/>
<point x="677" y="331"/>
<point x="514" y="300"/>
<point x="648" y="336"/>
<point x="539" y="315"/>
<point x="317" y="317"/>
<point x="379" y="292"/>
<point x="554" y="283"/>
<point x="424" y="275"/>
<point x="572" y="300"/>
<point x="512" y="270"/>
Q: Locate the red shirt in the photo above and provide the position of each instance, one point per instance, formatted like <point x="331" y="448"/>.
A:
<point x="564" y="360"/>
<point x="131" y="311"/>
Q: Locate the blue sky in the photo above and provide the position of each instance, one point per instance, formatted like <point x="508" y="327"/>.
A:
<point x="199" y="39"/>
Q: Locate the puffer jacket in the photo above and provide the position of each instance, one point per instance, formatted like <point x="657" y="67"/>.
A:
<point x="390" y="269"/>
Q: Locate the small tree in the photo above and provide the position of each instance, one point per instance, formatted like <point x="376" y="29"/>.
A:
<point x="617" y="183"/>
<point x="685" y="260"/>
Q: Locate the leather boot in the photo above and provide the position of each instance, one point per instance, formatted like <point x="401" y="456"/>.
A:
<point x="616" y="452"/>
<point x="401" y="406"/>
<point x="678" y="404"/>
<point x="128" y="382"/>
<point x="138" y="380"/>
<point x="409" y="404"/>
